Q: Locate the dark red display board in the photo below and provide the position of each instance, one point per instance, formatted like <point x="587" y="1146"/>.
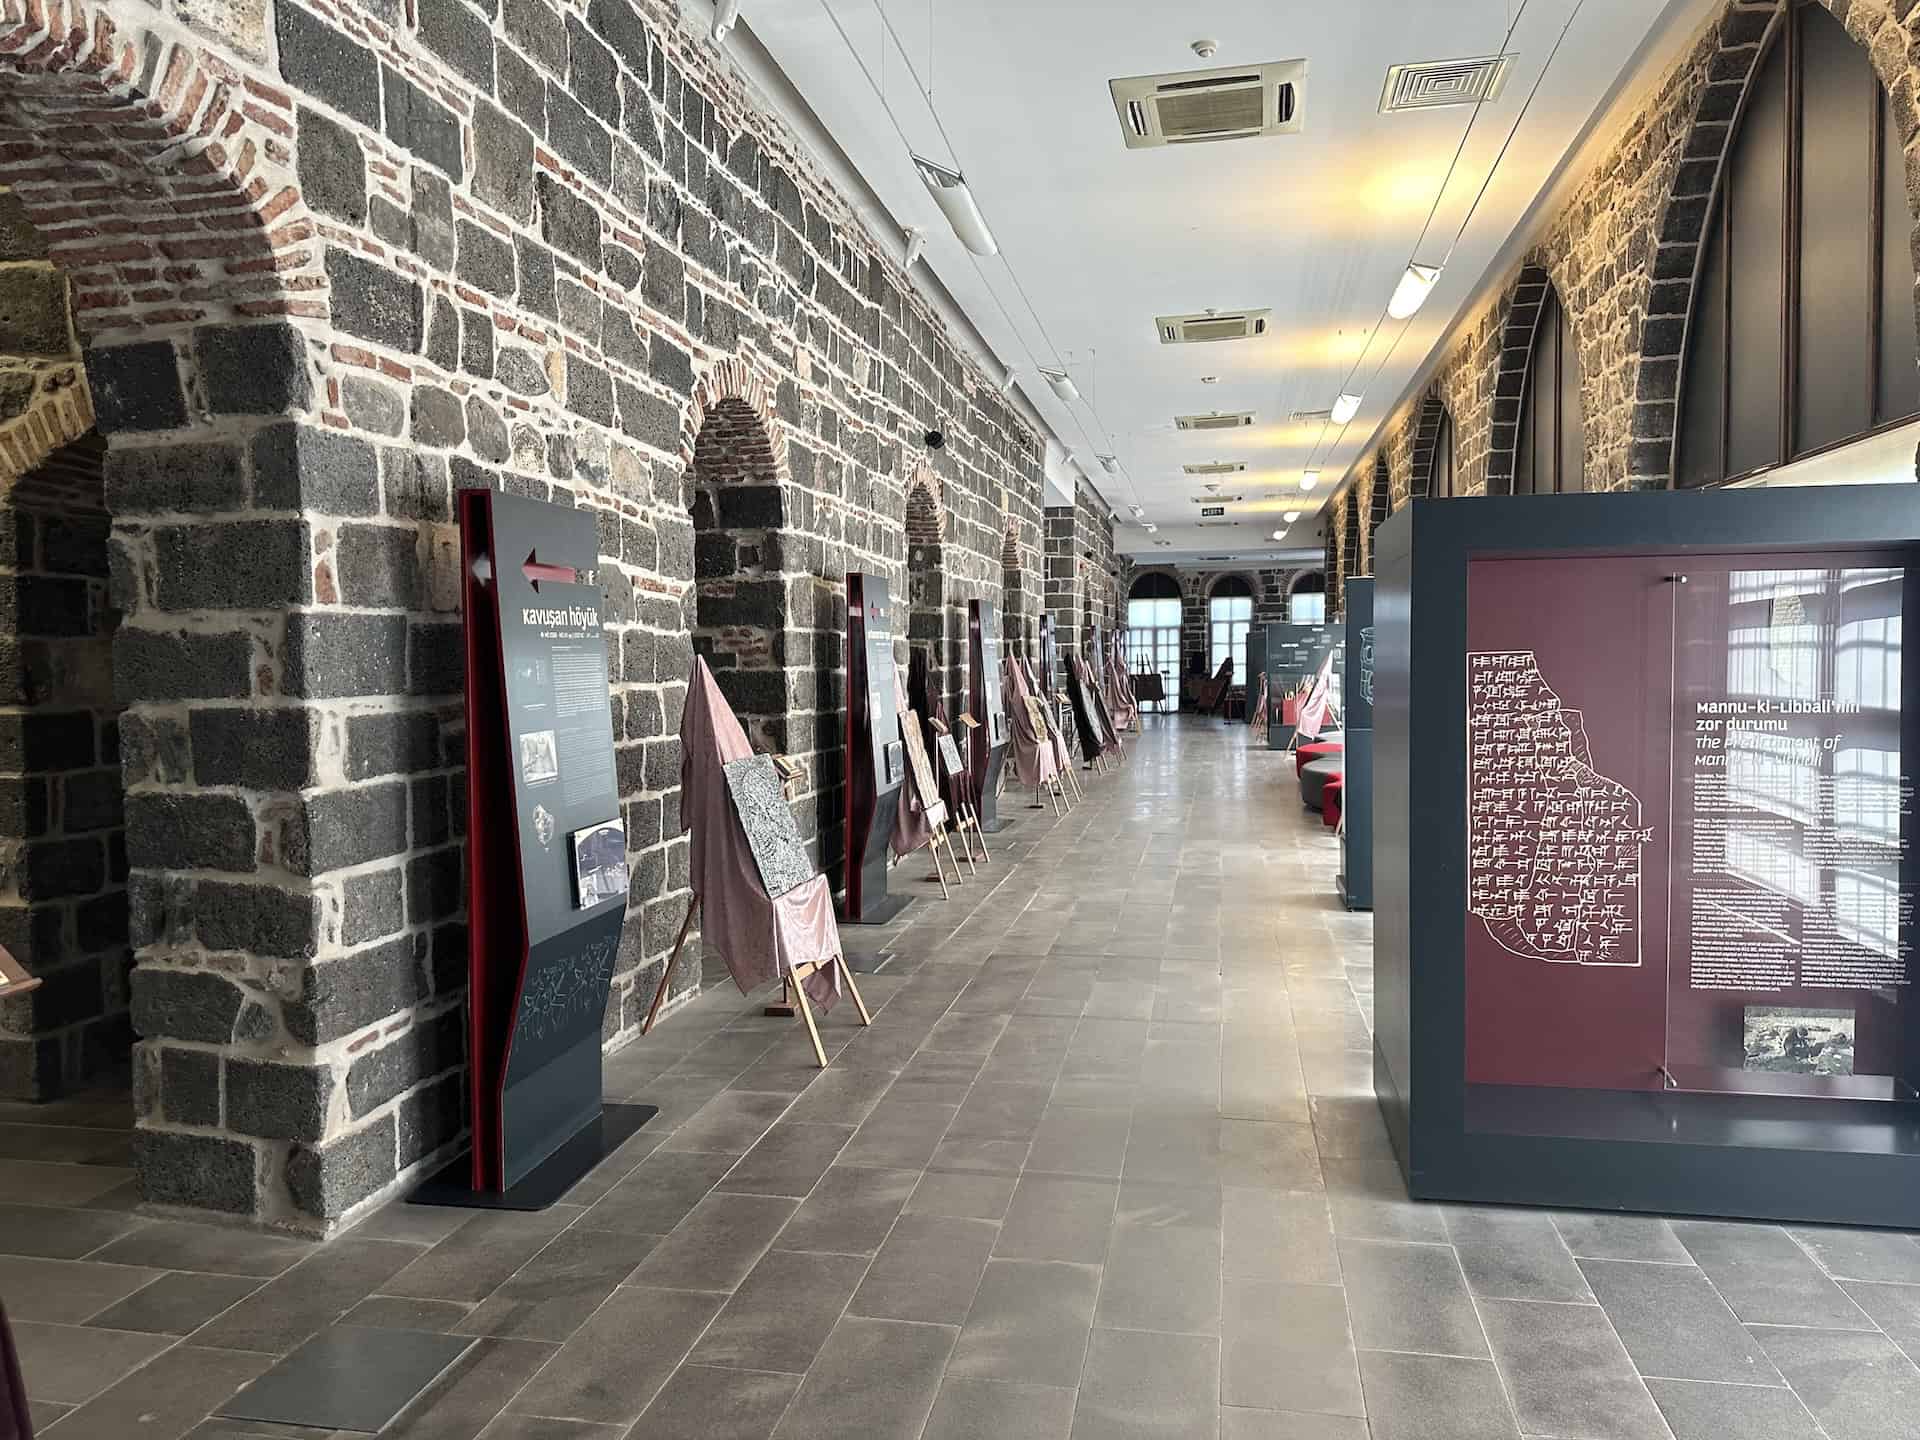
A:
<point x="987" y="751"/>
<point x="1688" y="813"/>
<point x="546" y="853"/>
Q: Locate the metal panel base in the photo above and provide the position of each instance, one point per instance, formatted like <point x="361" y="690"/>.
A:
<point x="549" y="1180"/>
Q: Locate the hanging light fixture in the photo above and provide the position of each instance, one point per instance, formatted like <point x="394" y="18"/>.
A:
<point x="950" y="193"/>
<point x="1109" y="463"/>
<point x="1291" y="516"/>
<point x="1345" y="408"/>
<point x="1062" y="385"/>
<point x="1412" y="291"/>
<point x="1309" y="478"/>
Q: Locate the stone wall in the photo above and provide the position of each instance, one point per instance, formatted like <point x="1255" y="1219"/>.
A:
<point x="1082" y="588"/>
<point x="332" y="262"/>
<point x="1622" y="252"/>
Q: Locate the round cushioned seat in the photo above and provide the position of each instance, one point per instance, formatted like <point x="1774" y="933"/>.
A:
<point x="1314" y="777"/>
<point x="1331" y="799"/>
<point x="1313" y="750"/>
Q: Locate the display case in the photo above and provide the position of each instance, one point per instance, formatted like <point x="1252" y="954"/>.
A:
<point x="1642" y="798"/>
<point x="1294" y="655"/>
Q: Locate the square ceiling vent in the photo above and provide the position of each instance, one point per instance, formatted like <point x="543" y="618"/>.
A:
<point x="1216" y="467"/>
<point x="1233" y="102"/>
<point x="1435" y="84"/>
<point x="1216" y="499"/>
<point x="1232" y="420"/>
<point x="1212" y="325"/>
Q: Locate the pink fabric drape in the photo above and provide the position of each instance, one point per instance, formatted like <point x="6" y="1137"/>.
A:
<point x="760" y="939"/>
<point x="910" y="827"/>
<point x="1033" y="759"/>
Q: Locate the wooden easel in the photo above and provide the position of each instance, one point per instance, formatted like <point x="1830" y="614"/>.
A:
<point x="941" y="836"/>
<point x="14" y="979"/>
<point x="790" y="986"/>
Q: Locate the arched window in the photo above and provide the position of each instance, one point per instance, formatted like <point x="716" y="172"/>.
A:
<point x="1550" y="454"/>
<point x="1350" y="532"/>
<point x="1331" y="561"/>
<point x="1307" y="605"/>
<point x="1153" y="632"/>
<point x="1229" y="617"/>
<point x="1801" y="335"/>
<point x="1440" y="484"/>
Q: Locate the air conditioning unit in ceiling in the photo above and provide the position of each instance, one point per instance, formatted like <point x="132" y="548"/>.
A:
<point x="1432" y="84"/>
<point x="1216" y="499"/>
<point x="1216" y="467"/>
<point x="1212" y="325"/>
<point x="1231" y="102"/>
<point x="1215" y="420"/>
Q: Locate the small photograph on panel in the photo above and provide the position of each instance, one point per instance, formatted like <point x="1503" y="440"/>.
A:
<point x="539" y="757"/>
<point x="1796" y="1040"/>
<point x="599" y="863"/>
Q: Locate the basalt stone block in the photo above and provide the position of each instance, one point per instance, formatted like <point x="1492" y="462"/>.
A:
<point x="533" y="263"/>
<point x="373" y="302"/>
<point x="237" y="565"/>
<point x="443" y="334"/>
<point x="578" y="137"/>
<point x="193" y="831"/>
<point x="347" y="827"/>
<point x="431" y="1117"/>
<point x="438" y="418"/>
<point x="485" y="260"/>
<point x="343" y="995"/>
<point x="502" y="162"/>
<point x="650" y="419"/>
<point x="436" y="659"/>
<point x="317" y="60"/>
<point x="417" y="486"/>
<point x="260" y="919"/>
<point x="198" y="1005"/>
<point x="325" y="1181"/>
<point x="260" y="748"/>
<point x="569" y="223"/>
<point x="373" y="905"/>
<point x="487" y="431"/>
<point x="476" y="344"/>
<point x="592" y="74"/>
<point x="277" y="1102"/>
<point x="400" y="742"/>
<point x="189" y="1085"/>
<point x="537" y="28"/>
<point x="432" y="217"/>
<point x="333" y="169"/>
<point x="335" y="655"/>
<point x="620" y="25"/>
<point x="306" y="467"/>
<point x="425" y="1051"/>
<point x="460" y="37"/>
<point x="434" y="886"/>
<point x="207" y="1172"/>
<point x="252" y="369"/>
<point x="136" y="387"/>
<point x="373" y="406"/>
<point x="522" y="90"/>
<point x="589" y="390"/>
<point x="422" y="125"/>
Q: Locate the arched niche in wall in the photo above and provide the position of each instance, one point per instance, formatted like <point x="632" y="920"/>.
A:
<point x="1549" y="454"/>
<point x="1433" y="449"/>
<point x="1800" y="332"/>
<point x="1350" y="531"/>
<point x="928" y="624"/>
<point x="1330" y="566"/>
<point x="1380" y="502"/>
<point x="1014" y="600"/>
<point x="739" y="619"/>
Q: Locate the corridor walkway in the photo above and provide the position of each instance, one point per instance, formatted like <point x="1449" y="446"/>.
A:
<point x="1107" y="1165"/>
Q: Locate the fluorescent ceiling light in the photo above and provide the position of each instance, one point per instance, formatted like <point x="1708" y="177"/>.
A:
<point x="1291" y="516"/>
<point x="1412" y="291"/>
<point x="725" y="12"/>
<point x="1345" y="408"/>
<point x="1309" y="479"/>
<point x="950" y="193"/>
<point x="1064" y="387"/>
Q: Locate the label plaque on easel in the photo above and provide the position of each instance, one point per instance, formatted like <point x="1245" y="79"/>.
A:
<point x="876" y="756"/>
<point x="989" y="741"/>
<point x="546" y="854"/>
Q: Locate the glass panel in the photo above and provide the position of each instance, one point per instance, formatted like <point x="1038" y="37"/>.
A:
<point x="1308" y="607"/>
<point x="1840" y="101"/>
<point x="1756" y="177"/>
<point x="1899" y="380"/>
<point x="1790" y="933"/>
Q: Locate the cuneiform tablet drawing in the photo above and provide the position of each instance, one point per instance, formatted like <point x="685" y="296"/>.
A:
<point x="767" y="819"/>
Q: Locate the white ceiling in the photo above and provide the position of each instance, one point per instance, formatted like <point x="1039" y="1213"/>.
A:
<point x="1095" y="239"/>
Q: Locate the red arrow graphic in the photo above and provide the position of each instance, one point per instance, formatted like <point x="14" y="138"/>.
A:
<point x="535" y="572"/>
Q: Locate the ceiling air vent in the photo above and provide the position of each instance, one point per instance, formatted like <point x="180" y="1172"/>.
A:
<point x="1214" y="421"/>
<point x="1216" y="499"/>
<point x="1433" y="84"/>
<point x="1216" y="467"/>
<point x="1234" y="102"/>
<point x="1212" y="325"/>
<point x="1211" y="523"/>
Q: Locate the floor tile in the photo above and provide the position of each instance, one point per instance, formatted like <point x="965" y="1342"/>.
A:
<point x="1051" y="1219"/>
<point x="730" y="1123"/>
<point x="555" y="1292"/>
<point x="788" y="1160"/>
<point x="997" y="1410"/>
<point x="781" y="1314"/>
<point x="717" y="1244"/>
<point x="1278" y="1236"/>
<point x="658" y="1193"/>
<point x="32" y="1182"/>
<point x="1863" y="1254"/>
<point x="288" y="1311"/>
<point x="1435" y="1397"/>
<point x="1256" y="1155"/>
<point x="1409" y="1297"/>
<point x="1696" y="1411"/>
<point x="1600" y="1236"/>
<point x="962" y="1195"/>
<point x="478" y="1257"/>
<point x="473" y="1391"/>
<point x="1080" y="1142"/>
<point x="1288" y="1425"/>
<point x="1894" y="1308"/>
<point x="898" y="1134"/>
<point x="928" y="1270"/>
<point x="66" y="1292"/>
<point x="850" y="1211"/>
<point x="614" y="1365"/>
<point x="1163" y="1202"/>
<point x="876" y="1379"/>
<point x="164" y="1400"/>
<point x="1161" y="1277"/>
<point x="1028" y="1323"/>
<point x="1766" y="1277"/>
<point x="177" y="1304"/>
<point x="51" y="1234"/>
<point x="394" y="1312"/>
<point x="346" y="1379"/>
<point x="1148" y="1387"/>
<point x="1675" y="1325"/>
<point x="1567" y="1372"/>
<point x="545" y="1427"/>
<point x="717" y="1405"/>
<point x="69" y="1365"/>
<point x="1288" y="1347"/>
<point x="1514" y="1255"/>
<point x="1858" y="1385"/>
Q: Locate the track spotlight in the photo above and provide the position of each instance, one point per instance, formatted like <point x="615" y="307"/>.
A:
<point x="1345" y="408"/>
<point x="916" y="246"/>
<point x="725" y="13"/>
<point x="950" y="193"/>
<point x="1061" y="383"/>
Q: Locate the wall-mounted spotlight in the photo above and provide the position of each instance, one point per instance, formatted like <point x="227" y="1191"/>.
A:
<point x="916" y="246"/>
<point x="1061" y="383"/>
<point x="1006" y="385"/>
<point x="725" y="13"/>
<point x="950" y="193"/>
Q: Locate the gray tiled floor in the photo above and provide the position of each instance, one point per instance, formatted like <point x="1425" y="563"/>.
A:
<point x="1106" y="1166"/>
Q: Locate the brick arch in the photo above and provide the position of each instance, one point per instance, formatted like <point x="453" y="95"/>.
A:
<point x="1213" y="583"/>
<point x="1379" y="502"/>
<point x="1525" y="303"/>
<point x="729" y="386"/>
<point x="1742" y="36"/>
<point x="926" y="513"/>
<point x="1426" y="442"/>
